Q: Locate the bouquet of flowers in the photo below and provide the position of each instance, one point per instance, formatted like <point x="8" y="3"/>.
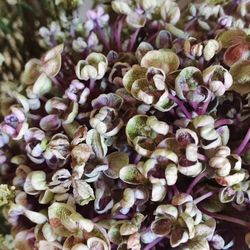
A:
<point x="125" y="124"/>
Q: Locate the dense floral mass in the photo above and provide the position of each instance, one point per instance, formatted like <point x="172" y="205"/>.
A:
<point x="131" y="130"/>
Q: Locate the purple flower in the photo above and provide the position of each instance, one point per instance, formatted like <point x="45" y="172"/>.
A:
<point x="35" y="144"/>
<point x="77" y="92"/>
<point x="4" y="138"/>
<point x="96" y="16"/>
<point x="14" y="124"/>
<point x="3" y="157"/>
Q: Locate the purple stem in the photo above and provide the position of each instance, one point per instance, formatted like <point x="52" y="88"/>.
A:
<point x="133" y="40"/>
<point x="243" y="144"/>
<point x="118" y="34"/>
<point x="99" y="217"/>
<point x="153" y="243"/>
<point x="226" y="218"/>
<point x="101" y="35"/>
<point x="205" y="196"/>
<point x="222" y="122"/>
<point x="151" y="38"/>
<point x="194" y="105"/>
<point x="56" y="82"/>
<point x="195" y="181"/>
<point x="91" y="84"/>
<point x="181" y="105"/>
<point x="137" y="159"/>
<point x="202" y="157"/>
<point x="175" y="189"/>
<point x="121" y="217"/>
<point x="204" y="107"/>
<point x="117" y="217"/>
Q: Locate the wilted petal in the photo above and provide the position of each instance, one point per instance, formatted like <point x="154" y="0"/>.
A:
<point x="162" y="227"/>
<point x="178" y="236"/>
<point x="116" y="161"/>
<point x="83" y="193"/>
<point x="96" y="141"/>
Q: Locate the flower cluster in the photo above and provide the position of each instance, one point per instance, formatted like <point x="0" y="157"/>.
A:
<point x="132" y="131"/>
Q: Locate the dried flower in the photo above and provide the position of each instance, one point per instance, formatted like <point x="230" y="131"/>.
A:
<point x="133" y="133"/>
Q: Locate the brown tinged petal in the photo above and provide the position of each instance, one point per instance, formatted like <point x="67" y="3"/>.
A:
<point x="162" y="227"/>
<point x="236" y="53"/>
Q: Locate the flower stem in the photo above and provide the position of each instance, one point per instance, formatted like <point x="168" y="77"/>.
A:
<point x="91" y="84"/>
<point x="222" y="122"/>
<point x="202" y="157"/>
<point x="195" y="181"/>
<point x="101" y="35"/>
<point x="118" y="34"/>
<point x="133" y="39"/>
<point x="244" y="143"/>
<point x="181" y="105"/>
<point x="153" y="243"/>
<point x="205" y="196"/>
<point x="175" y="189"/>
<point x="204" y="107"/>
<point x="121" y="217"/>
<point x="226" y="218"/>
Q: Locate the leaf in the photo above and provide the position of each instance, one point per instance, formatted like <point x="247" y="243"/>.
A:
<point x="111" y="100"/>
<point x="137" y="126"/>
<point x="114" y="233"/>
<point x="65" y="220"/>
<point x="135" y="73"/>
<point x="197" y="243"/>
<point x="42" y="85"/>
<point x="241" y="77"/>
<point x="163" y="59"/>
<point x="116" y="161"/>
<point x="230" y="37"/>
<point x="131" y="175"/>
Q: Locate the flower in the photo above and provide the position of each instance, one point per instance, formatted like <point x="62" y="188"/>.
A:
<point x="36" y="143"/>
<point x="228" y="167"/>
<point x="52" y="33"/>
<point x="79" y="45"/>
<point x="96" y="17"/>
<point x="77" y="92"/>
<point x="93" y="67"/>
<point x="14" y="125"/>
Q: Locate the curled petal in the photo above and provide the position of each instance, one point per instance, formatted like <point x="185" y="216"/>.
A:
<point x="50" y="123"/>
<point x="162" y="227"/>
<point x="52" y="60"/>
